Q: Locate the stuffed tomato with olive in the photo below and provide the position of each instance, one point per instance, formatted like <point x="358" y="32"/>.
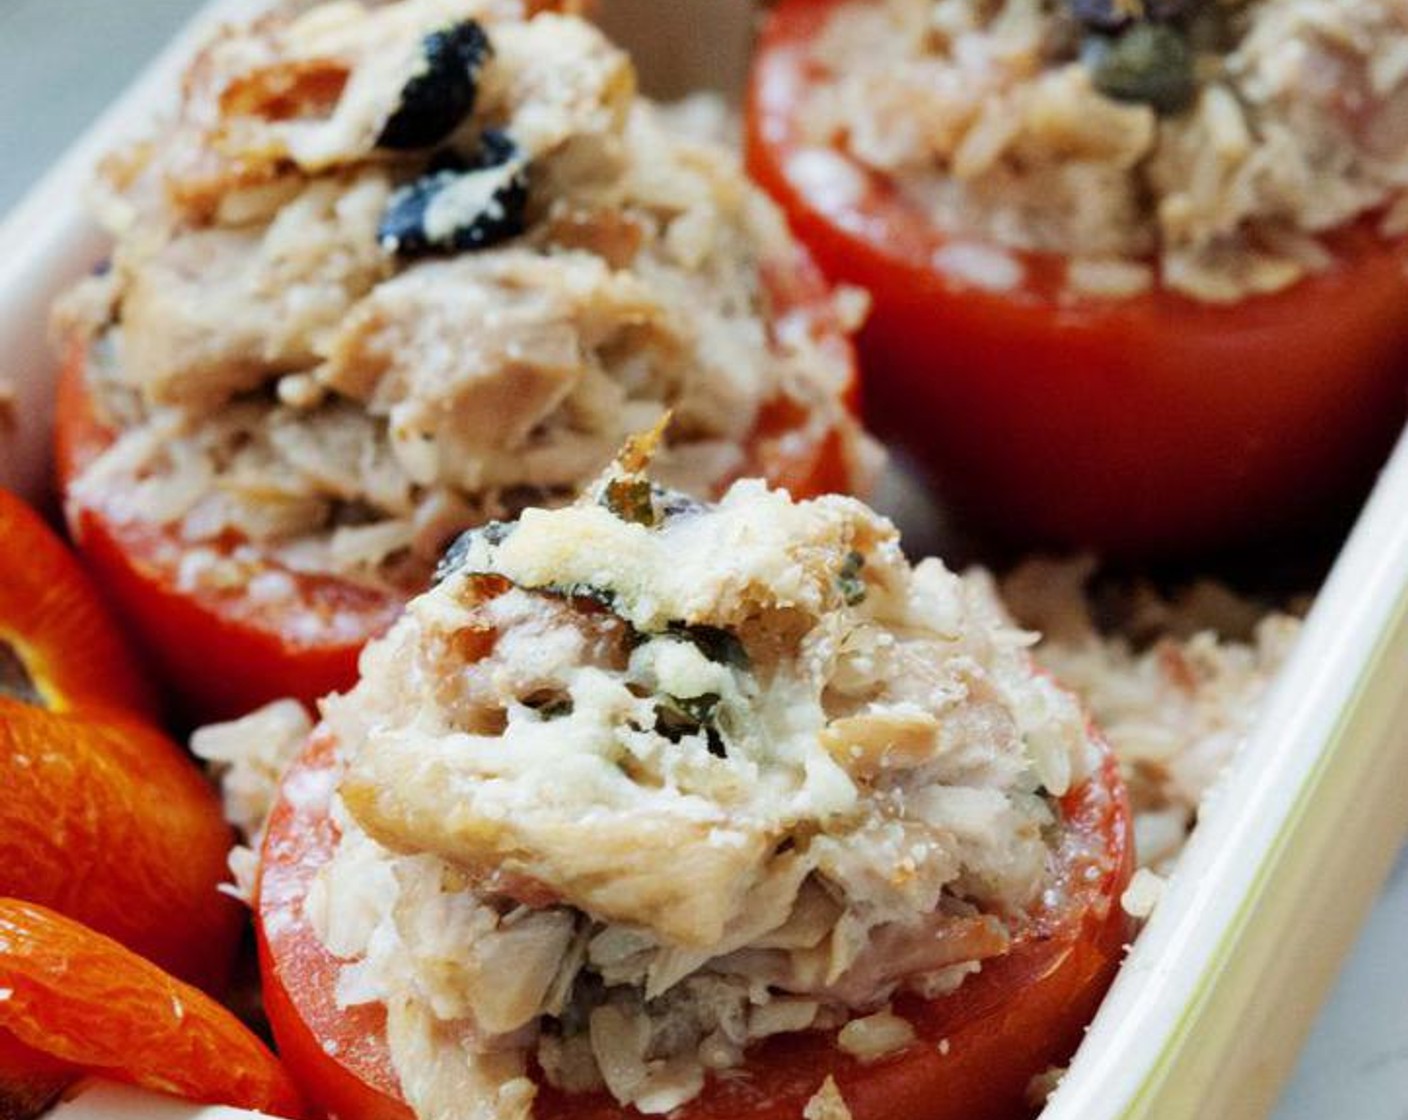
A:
<point x="651" y="806"/>
<point x="1139" y="272"/>
<point x="397" y="271"/>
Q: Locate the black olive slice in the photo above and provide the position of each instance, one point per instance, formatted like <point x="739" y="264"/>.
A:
<point x="442" y="92"/>
<point x="452" y="211"/>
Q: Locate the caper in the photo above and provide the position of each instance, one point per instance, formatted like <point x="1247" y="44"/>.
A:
<point x="1113" y="15"/>
<point x="1150" y="64"/>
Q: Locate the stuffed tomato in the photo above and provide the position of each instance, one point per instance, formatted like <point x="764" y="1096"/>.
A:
<point x="652" y="806"/>
<point x="396" y="271"/>
<point x="1139" y="271"/>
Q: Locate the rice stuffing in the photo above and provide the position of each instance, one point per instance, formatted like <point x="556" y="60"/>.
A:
<point x="1208" y="146"/>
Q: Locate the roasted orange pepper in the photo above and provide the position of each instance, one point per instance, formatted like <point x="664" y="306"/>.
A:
<point x="104" y="818"/>
<point x="77" y="1003"/>
<point x="110" y="823"/>
<point x="59" y="648"/>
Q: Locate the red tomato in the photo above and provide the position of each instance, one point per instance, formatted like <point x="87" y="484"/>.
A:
<point x="224" y="653"/>
<point x="111" y="824"/>
<point x="57" y="643"/>
<point x="1144" y="426"/>
<point x="1023" y="1013"/>
<point x="77" y="1002"/>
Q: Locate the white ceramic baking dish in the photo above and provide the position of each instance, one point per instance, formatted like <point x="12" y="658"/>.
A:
<point x="1215" y="999"/>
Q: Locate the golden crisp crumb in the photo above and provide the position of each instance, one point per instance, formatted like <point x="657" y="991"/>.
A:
<point x="640" y="448"/>
<point x="827" y="1104"/>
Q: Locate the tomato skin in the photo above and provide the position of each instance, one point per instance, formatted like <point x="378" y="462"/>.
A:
<point x="81" y="1000"/>
<point x="331" y="1087"/>
<point x="1021" y="1014"/>
<point x="223" y="654"/>
<point x="1155" y="425"/>
<point x="55" y="620"/>
<point x="124" y="804"/>
<point x="299" y="974"/>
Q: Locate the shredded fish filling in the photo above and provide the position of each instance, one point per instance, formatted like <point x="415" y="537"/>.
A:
<point x="1176" y="688"/>
<point x="643" y="781"/>
<point x="396" y="270"/>
<point x="1204" y="145"/>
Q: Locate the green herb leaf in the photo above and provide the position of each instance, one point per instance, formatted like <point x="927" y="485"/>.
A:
<point x="677" y="717"/>
<point x="715" y="643"/>
<point x="453" y="558"/>
<point x="849" y="579"/>
<point x="578" y="593"/>
<point x="630" y="499"/>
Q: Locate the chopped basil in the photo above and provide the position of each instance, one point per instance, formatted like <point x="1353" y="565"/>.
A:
<point x="700" y="708"/>
<point x="457" y="209"/>
<point x="442" y="91"/>
<point x="678" y="717"/>
<point x="577" y="593"/>
<point x="453" y="558"/>
<point x="630" y="499"/>
<point x="714" y="642"/>
<point x="849" y="579"/>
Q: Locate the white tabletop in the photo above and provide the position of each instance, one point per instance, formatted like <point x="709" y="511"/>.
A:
<point x="60" y="62"/>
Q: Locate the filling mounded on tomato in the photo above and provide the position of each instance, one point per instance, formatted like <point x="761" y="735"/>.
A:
<point x="654" y="806"/>
<point x="1105" y="314"/>
<point x="400" y="270"/>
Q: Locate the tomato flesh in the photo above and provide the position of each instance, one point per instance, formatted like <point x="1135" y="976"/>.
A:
<point x="976" y="1051"/>
<point x="224" y="654"/>
<point x="1149" y="426"/>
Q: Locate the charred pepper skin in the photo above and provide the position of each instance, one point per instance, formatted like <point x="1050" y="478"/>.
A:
<point x="442" y="94"/>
